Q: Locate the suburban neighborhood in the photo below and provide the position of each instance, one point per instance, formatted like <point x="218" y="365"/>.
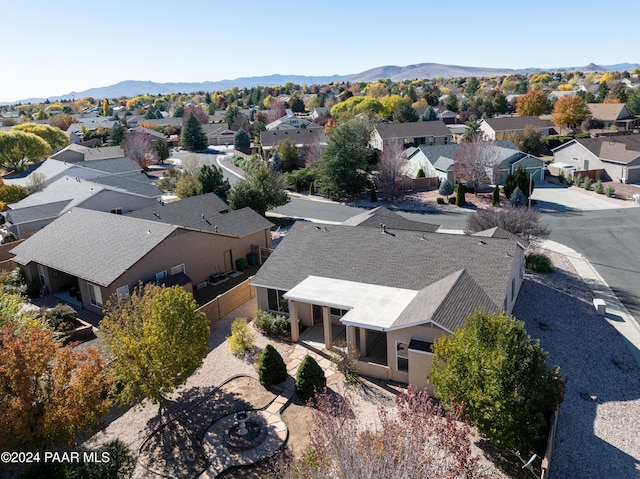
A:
<point x="425" y="277"/>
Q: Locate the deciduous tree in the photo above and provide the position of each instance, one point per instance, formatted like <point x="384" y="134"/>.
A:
<point x="522" y="222"/>
<point x="476" y="161"/>
<point x="532" y="103"/>
<point x="494" y="367"/>
<point x="197" y="111"/>
<point x="18" y="149"/>
<point x="139" y="146"/>
<point x="186" y="186"/>
<point x="569" y="111"/>
<point x="288" y="153"/>
<point x="157" y="339"/>
<point x="56" y="138"/>
<point x="391" y="168"/>
<point x="418" y="439"/>
<point x="48" y="393"/>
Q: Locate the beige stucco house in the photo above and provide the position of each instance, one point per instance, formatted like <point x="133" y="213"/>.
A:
<point x="103" y="254"/>
<point x="388" y="294"/>
<point x="410" y="134"/>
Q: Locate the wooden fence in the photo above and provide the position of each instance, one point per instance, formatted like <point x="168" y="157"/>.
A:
<point x="546" y="460"/>
<point x="6" y="258"/>
<point x="226" y="302"/>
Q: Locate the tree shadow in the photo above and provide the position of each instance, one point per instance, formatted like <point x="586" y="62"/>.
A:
<point x="174" y="447"/>
<point x="594" y="359"/>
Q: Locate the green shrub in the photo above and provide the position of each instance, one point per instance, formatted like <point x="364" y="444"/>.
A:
<point x="242" y="339"/>
<point x="598" y="187"/>
<point x="460" y="191"/>
<point x="609" y="191"/>
<point x="272" y="324"/>
<point x="271" y="368"/>
<point x="420" y="173"/>
<point x="586" y="183"/>
<point x="561" y="177"/>
<point x="577" y="180"/>
<point x="301" y="177"/>
<point x="13" y="282"/>
<point x="495" y="196"/>
<point x="61" y="318"/>
<point x="374" y="196"/>
<point x="452" y="200"/>
<point x="312" y="188"/>
<point x="310" y="379"/>
<point x="539" y="263"/>
<point x="440" y="200"/>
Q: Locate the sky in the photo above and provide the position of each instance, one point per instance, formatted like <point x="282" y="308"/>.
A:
<point x="54" y="48"/>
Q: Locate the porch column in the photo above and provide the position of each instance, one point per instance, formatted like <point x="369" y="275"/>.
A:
<point x="293" y="316"/>
<point x="326" y="323"/>
<point x="351" y="339"/>
<point x="363" y="342"/>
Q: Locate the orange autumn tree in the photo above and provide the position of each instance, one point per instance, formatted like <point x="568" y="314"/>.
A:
<point x="48" y="393"/>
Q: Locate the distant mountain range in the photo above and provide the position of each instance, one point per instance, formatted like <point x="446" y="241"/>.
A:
<point x="132" y="88"/>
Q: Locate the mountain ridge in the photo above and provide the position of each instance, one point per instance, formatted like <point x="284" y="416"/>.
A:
<point x="130" y="88"/>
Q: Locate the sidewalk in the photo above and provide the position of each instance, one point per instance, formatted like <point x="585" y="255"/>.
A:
<point x="616" y="314"/>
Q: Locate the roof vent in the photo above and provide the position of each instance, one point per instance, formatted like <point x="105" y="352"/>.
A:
<point x="215" y="228"/>
<point x="148" y="232"/>
<point x="482" y="242"/>
<point x="202" y="215"/>
<point x="156" y="215"/>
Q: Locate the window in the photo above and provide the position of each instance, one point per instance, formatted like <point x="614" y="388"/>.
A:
<point x="513" y="288"/>
<point x="161" y="275"/>
<point x="338" y="312"/>
<point x="177" y="269"/>
<point x="116" y="211"/>
<point x="41" y="274"/>
<point x="276" y="301"/>
<point x="122" y="292"/>
<point x="402" y="356"/>
<point x="95" y="294"/>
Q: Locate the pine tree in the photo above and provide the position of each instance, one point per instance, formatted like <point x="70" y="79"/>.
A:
<point x="446" y="188"/>
<point x="271" y="368"/>
<point x="310" y="378"/>
<point x="518" y="198"/>
<point x="193" y="137"/>
<point x="460" y="199"/>
<point x="495" y="196"/>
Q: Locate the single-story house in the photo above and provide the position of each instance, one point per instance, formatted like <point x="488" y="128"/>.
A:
<point x="114" y="194"/>
<point x="219" y="134"/>
<point x="497" y="128"/>
<point x="438" y="161"/>
<point x="614" y="115"/>
<point x="73" y="153"/>
<point x="104" y="255"/>
<point x="389" y="294"/>
<point x="410" y="134"/>
<point x="75" y="130"/>
<point x="288" y="122"/>
<point x="617" y="156"/>
<point x="302" y="138"/>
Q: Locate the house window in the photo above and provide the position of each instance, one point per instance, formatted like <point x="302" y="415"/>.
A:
<point x="402" y="356"/>
<point x="122" y="292"/>
<point x="177" y="269"/>
<point x="276" y="301"/>
<point x="95" y="294"/>
<point x="161" y="275"/>
<point x="41" y="274"/>
<point x="338" y="312"/>
<point x="116" y="211"/>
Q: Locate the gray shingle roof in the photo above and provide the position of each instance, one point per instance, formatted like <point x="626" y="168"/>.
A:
<point x="299" y="137"/>
<point x="497" y="232"/>
<point x="405" y="259"/>
<point x="111" y="165"/>
<point x="412" y="129"/>
<point x="391" y="219"/>
<point x="95" y="246"/>
<point x="189" y="214"/>
<point x="36" y="212"/>
<point x="511" y="123"/>
<point x="138" y="184"/>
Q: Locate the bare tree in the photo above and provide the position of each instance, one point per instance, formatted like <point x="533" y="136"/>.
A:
<point x="139" y="146"/>
<point x="198" y="111"/>
<point x="418" y="439"/>
<point x="276" y="111"/>
<point x="476" y="161"/>
<point x="36" y="181"/>
<point x="391" y="167"/>
<point x="520" y="221"/>
<point x="312" y="151"/>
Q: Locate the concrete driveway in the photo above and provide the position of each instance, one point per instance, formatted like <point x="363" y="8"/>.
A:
<point x="551" y="198"/>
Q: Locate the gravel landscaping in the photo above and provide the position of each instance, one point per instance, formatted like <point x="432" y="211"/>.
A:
<point x="598" y="431"/>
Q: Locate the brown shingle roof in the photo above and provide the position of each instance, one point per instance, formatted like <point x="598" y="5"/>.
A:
<point x="412" y="129"/>
<point x="512" y="123"/>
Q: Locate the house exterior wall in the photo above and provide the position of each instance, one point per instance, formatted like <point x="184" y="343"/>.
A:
<point x="69" y="156"/>
<point x="488" y="132"/>
<point x="515" y="280"/>
<point x="107" y="200"/>
<point x="533" y="165"/>
<point x="417" y="161"/>
<point x="22" y="229"/>
<point x="575" y="154"/>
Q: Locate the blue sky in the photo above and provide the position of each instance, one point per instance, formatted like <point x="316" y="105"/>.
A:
<point x="53" y="48"/>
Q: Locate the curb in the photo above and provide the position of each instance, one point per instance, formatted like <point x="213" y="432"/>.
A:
<point x="617" y="314"/>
